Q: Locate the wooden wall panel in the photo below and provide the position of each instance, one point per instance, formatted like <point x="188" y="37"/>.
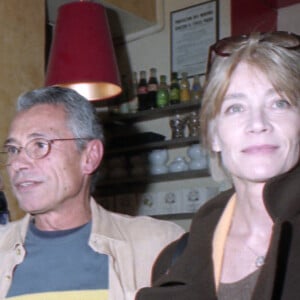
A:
<point x="143" y="8"/>
<point x="22" y="36"/>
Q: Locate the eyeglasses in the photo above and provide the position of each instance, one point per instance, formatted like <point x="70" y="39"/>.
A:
<point x="228" y="46"/>
<point x="36" y="149"/>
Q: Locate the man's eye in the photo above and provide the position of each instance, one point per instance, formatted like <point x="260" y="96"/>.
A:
<point x="10" y="149"/>
<point x="40" y="144"/>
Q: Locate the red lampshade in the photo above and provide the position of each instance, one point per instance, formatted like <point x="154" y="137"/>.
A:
<point x="82" y="56"/>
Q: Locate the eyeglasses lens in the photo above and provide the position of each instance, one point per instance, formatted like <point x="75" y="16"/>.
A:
<point x="37" y="148"/>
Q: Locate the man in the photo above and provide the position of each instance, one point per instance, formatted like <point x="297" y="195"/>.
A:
<point x="68" y="246"/>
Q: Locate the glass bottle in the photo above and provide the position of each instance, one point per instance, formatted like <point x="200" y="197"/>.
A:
<point x="124" y="108"/>
<point x="133" y="98"/>
<point x="193" y="124"/>
<point x="152" y="88"/>
<point x="142" y="92"/>
<point x="196" y="91"/>
<point x="177" y="124"/>
<point x="174" y="89"/>
<point x="162" y="98"/>
<point x="184" y="88"/>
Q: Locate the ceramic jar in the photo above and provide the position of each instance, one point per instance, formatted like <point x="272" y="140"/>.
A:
<point x="179" y="164"/>
<point x="158" y="159"/>
<point x="197" y="156"/>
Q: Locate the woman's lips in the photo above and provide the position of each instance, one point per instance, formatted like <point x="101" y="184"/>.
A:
<point x="260" y="149"/>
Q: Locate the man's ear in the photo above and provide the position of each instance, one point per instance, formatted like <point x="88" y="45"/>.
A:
<point x="93" y="156"/>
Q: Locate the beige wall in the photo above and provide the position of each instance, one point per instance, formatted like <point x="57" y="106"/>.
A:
<point x="22" y="36"/>
<point x="288" y="18"/>
<point x="153" y="50"/>
<point x="143" y="9"/>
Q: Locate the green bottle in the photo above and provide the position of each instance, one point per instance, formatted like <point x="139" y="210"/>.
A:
<point x="162" y="98"/>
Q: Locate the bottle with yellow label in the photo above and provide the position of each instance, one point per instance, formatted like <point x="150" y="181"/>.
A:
<point x="185" y="93"/>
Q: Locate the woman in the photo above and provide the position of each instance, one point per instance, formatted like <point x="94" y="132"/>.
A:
<point x="245" y="243"/>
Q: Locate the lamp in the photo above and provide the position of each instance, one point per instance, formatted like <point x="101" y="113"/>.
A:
<point x="82" y="56"/>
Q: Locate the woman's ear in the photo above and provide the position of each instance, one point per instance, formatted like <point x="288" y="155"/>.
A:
<point x="215" y="143"/>
<point x="93" y="156"/>
<point x="214" y="137"/>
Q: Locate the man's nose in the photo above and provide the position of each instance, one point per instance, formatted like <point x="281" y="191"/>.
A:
<point x="19" y="160"/>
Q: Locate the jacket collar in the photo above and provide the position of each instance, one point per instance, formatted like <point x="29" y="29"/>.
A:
<point x="14" y="233"/>
<point x="282" y="195"/>
<point x="105" y="234"/>
<point x="102" y="222"/>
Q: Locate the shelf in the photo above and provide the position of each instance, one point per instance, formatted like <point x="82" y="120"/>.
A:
<point x="155" y="178"/>
<point x="126" y="144"/>
<point x="153" y="113"/>
<point x="138" y="184"/>
<point x="167" y="144"/>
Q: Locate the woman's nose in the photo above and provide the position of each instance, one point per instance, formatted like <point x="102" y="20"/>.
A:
<point x="258" y="121"/>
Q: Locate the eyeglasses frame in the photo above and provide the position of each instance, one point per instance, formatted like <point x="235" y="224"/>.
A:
<point x="48" y="141"/>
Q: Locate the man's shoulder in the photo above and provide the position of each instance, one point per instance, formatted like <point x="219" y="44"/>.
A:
<point x="134" y="227"/>
<point x="146" y="223"/>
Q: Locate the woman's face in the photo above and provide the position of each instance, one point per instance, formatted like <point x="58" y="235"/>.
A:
<point x="257" y="132"/>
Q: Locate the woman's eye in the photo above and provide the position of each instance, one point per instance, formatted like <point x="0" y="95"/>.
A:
<point x="235" y="108"/>
<point x="281" y="103"/>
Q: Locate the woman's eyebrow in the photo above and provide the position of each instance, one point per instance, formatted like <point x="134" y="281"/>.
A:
<point x="234" y="96"/>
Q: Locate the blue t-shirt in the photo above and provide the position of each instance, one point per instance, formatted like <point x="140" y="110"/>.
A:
<point x="59" y="261"/>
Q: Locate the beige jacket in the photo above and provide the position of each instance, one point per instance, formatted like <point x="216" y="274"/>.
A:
<point x="132" y="244"/>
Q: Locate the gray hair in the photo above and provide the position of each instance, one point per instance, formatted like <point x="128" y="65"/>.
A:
<point x="82" y="117"/>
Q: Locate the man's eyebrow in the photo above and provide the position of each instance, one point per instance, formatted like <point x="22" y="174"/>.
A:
<point x="9" y="141"/>
<point x="31" y="136"/>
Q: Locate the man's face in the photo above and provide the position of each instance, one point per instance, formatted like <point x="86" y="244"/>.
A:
<point x="52" y="183"/>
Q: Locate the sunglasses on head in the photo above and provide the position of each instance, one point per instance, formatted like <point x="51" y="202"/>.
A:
<point x="227" y="46"/>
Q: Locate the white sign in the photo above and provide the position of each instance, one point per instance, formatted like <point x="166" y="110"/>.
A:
<point x="193" y="30"/>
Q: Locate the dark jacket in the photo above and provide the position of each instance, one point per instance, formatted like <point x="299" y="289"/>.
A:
<point x="191" y="277"/>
